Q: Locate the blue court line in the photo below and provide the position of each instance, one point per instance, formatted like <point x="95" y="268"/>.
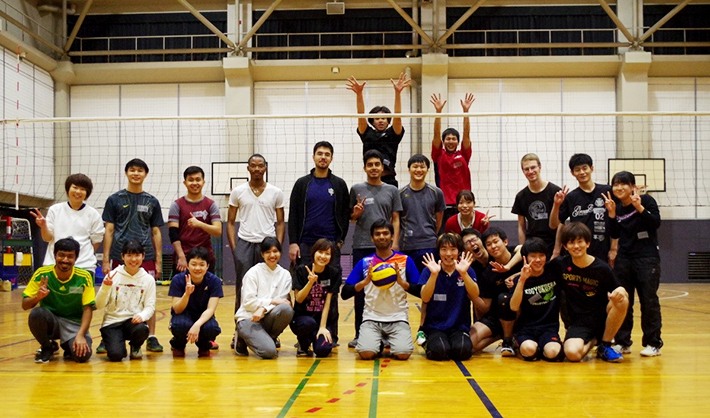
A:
<point x="298" y="390"/>
<point x="481" y="395"/>
<point x="349" y="313"/>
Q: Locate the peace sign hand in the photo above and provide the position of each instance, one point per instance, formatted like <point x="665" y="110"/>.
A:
<point x="636" y="198"/>
<point x="43" y="291"/>
<point x="359" y="208"/>
<point x="486" y="219"/>
<point x="609" y="204"/>
<point x="40" y="220"/>
<point x="560" y="195"/>
<point x="526" y="271"/>
<point x="108" y="280"/>
<point x="189" y="287"/>
<point x="312" y="277"/>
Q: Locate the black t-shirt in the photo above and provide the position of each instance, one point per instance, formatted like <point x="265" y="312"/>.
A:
<point x="637" y="232"/>
<point x="491" y="284"/>
<point x="329" y="281"/>
<point x="586" y="289"/>
<point x="536" y="207"/>
<point x="386" y="143"/>
<point x="588" y="208"/>
<point x="540" y="304"/>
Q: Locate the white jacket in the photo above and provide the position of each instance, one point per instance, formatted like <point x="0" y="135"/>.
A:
<point x="127" y="296"/>
<point x="260" y="286"/>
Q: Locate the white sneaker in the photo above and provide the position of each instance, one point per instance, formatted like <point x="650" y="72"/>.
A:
<point x="651" y="351"/>
<point x="623" y="349"/>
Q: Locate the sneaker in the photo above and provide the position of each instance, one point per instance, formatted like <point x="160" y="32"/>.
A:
<point x="421" y="338"/>
<point x="506" y="349"/>
<point x="607" y="353"/>
<point x="55" y="348"/>
<point x="303" y="353"/>
<point x="204" y="353"/>
<point x="353" y="343"/>
<point x="650" y="351"/>
<point x="136" y="352"/>
<point x="214" y="345"/>
<point x="623" y="349"/>
<point x="153" y="345"/>
<point x="177" y="353"/>
<point x="101" y="349"/>
<point x="44" y="355"/>
<point x="241" y="351"/>
<point x="277" y="342"/>
<point x="231" y="345"/>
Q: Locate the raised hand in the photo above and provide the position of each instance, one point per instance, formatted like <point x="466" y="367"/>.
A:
<point x="467" y="101"/>
<point x="560" y="195"/>
<point x="400" y="280"/>
<point x="609" y="204"/>
<point x="526" y="271"/>
<point x="40" y="220"/>
<point x="43" y="291"/>
<point x="464" y="262"/>
<point x="353" y="85"/>
<point x="189" y="287"/>
<point x="636" y="198"/>
<point x="429" y="262"/>
<point x="498" y="267"/>
<point x="312" y="277"/>
<point x="108" y="280"/>
<point x="487" y="219"/>
<point x="438" y="102"/>
<point x="402" y="82"/>
<point x="359" y="208"/>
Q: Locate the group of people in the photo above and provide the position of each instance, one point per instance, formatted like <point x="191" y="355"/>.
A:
<point x="422" y="239"/>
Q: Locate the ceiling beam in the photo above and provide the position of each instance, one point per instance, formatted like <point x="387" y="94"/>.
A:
<point x="412" y="23"/>
<point x="459" y="22"/>
<point x="258" y="24"/>
<point x="663" y="21"/>
<point x="32" y="33"/>
<point x="214" y="29"/>
<point x="616" y="21"/>
<point x="77" y="25"/>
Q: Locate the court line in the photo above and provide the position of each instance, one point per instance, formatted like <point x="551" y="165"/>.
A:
<point x="349" y="313"/>
<point x="682" y="294"/>
<point x="375" y="387"/>
<point x="481" y="394"/>
<point x="298" y="390"/>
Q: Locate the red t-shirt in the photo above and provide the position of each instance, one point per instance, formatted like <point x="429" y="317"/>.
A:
<point x="452" y="224"/>
<point x="454" y="174"/>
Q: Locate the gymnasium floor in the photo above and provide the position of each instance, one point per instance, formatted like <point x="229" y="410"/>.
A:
<point x="676" y="384"/>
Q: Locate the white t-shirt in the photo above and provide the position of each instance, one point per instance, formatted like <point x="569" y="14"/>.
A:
<point x="84" y="225"/>
<point x="256" y="215"/>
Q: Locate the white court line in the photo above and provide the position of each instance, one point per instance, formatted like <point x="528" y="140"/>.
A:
<point x="682" y="294"/>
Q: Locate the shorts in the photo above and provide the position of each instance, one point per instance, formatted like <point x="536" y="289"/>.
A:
<point x="397" y="334"/>
<point x="493" y="323"/>
<point x="587" y="328"/>
<point x="541" y="334"/>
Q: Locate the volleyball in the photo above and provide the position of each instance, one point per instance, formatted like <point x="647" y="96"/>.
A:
<point x="384" y="275"/>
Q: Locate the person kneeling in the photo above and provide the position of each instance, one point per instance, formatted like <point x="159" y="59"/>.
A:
<point x="449" y="286"/>
<point x="380" y="276"/>
<point x="195" y="294"/>
<point x="266" y="306"/>
<point x="314" y="289"/>
<point x="535" y="299"/>
<point x="127" y="295"/>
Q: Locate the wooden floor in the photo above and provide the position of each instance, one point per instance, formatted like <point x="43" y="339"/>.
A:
<point x="676" y="384"/>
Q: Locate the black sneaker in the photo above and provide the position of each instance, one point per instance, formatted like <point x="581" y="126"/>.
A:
<point x="240" y="348"/>
<point x="55" y="348"/>
<point x="153" y="345"/>
<point x="277" y="342"/>
<point x="507" y="349"/>
<point x="45" y="354"/>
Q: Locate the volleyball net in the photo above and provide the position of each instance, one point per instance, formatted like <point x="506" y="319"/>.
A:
<point x="667" y="152"/>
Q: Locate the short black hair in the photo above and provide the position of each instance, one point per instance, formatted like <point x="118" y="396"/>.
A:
<point x="257" y="156"/>
<point x="450" y="131"/>
<point x="418" y="158"/>
<point x="67" y="244"/>
<point x="80" y="180"/>
<point x="624" y="177"/>
<point x="379" y="109"/>
<point x="137" y="162"/>
<point x="533" y="245"/>
<point x="467" y="194"/>
<point x="373" y="153"/>
<point x="198" y="252"/>
<point x="580" y="159"/>
<point x="492" y="231"/>
<point x="132" y="247"/>
<point x="381" y="223"/>
<point x="471" y="231"/>
<point x="193" y="169"/>
<point x="449" y="238"/>
<point x="574" y="230"/>
<point x="269" y="243"/>
<point x="323" y="144"/>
